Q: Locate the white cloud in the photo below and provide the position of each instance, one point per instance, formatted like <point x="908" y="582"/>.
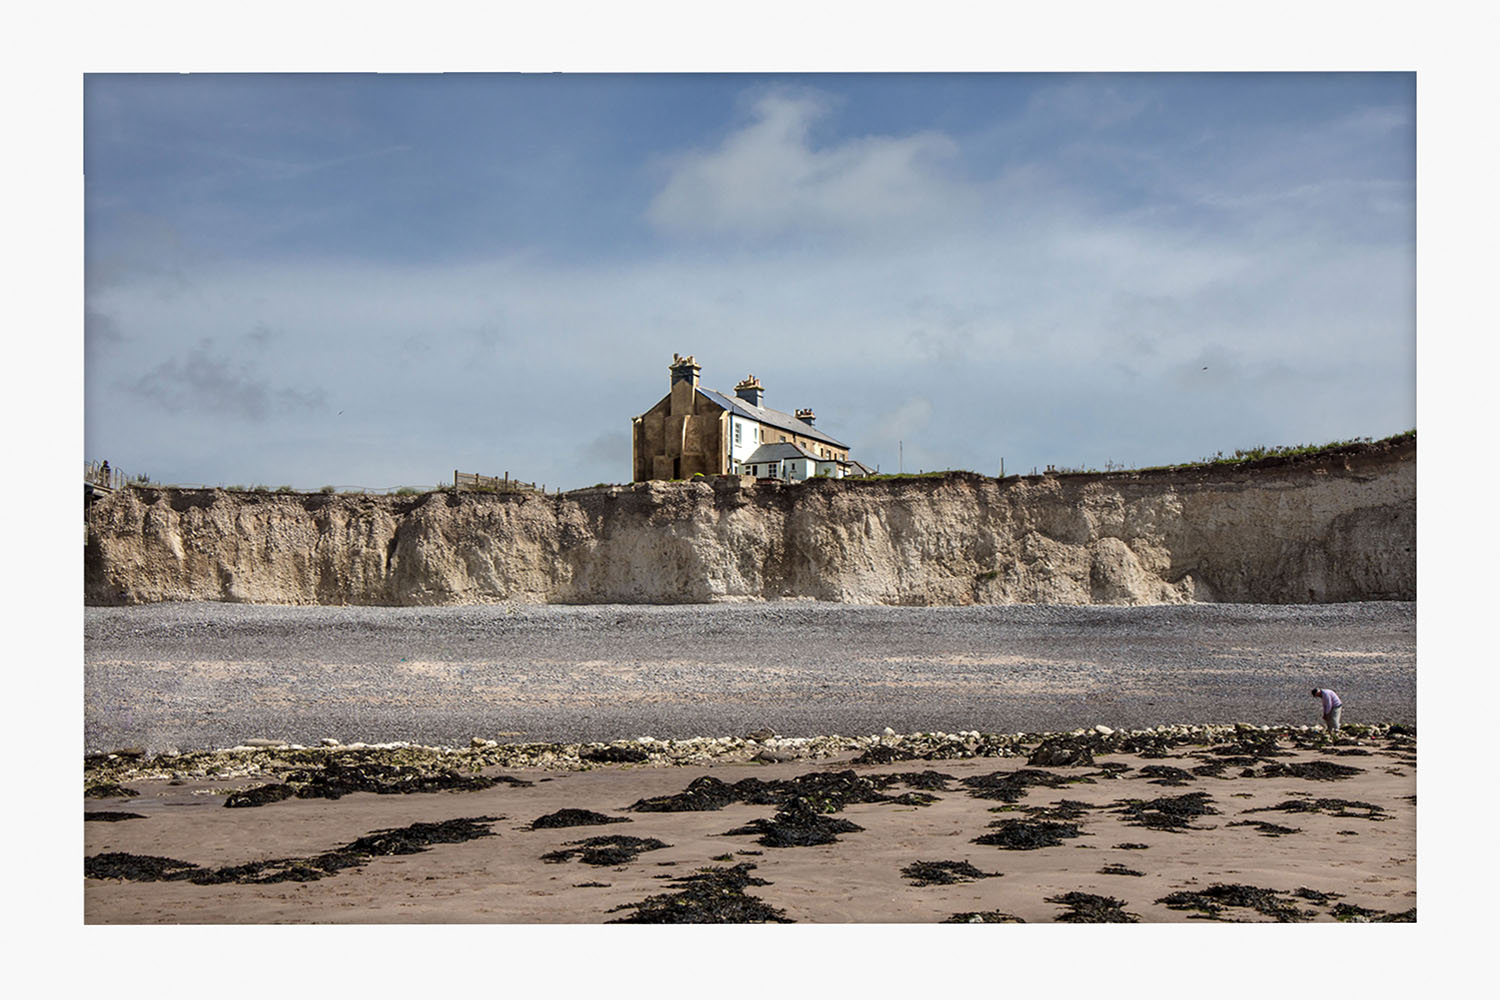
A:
<point x="769" y="178"/>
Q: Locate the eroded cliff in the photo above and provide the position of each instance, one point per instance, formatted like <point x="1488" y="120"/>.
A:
<point x="1337" y="526"/>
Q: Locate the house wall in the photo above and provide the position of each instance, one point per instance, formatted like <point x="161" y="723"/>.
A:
<point x="681" y="436"/>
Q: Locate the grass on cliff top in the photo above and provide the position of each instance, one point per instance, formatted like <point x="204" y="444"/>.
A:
<point x="1261" y="451"/>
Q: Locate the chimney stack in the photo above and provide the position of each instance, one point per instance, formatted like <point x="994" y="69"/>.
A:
<point x="684" y="369"/>
<point x="806" y="416"/>
<point x="750" y="390"/>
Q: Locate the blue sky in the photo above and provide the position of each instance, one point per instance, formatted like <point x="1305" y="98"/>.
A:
<point x="372" y="280"/>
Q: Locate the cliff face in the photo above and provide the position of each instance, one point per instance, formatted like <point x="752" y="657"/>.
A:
<point x="1339" y="526"/>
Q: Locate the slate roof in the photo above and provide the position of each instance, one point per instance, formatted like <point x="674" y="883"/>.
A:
<point x="770" y="417"/>
<point x="778" y="451"/>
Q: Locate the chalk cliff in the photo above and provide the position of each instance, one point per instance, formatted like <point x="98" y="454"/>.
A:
<point x="1336" y="526"/>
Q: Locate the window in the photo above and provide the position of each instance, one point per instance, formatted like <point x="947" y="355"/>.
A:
<point x="737" y="428"/>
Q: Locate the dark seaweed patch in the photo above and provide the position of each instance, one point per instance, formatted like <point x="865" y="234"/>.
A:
<point x="109" y="790"/>
<point x="797" y="824"/>
<point x="1160" y="774"/>
<point x="1132" y="847"/>
<point x="927" y="781"/>
<point x="1062" y="751"/>
<point x="412" y="839"/>
<point x="914" y="799"/>
<point x="883" y="755"/>
<point x="1167" y="813"/>
<point x="1316" y="770"/>
<point x="1313" y="895"/>
<point x="104" y="816"/>
<point x="574" y="817"/>
<point x="258" y="796"/>
<point x="1216" y="898"/>
<point x="825" y="791"/>
<point x="1027" y="835"/>
<point x="984" y="917"/>
<point x="1267" y="829"/>
<point x="591" y="885"/>
<point x="602" y="851"/>
<point x="1063" y="809"/>
<point x="1087" y="908"/>
<point x="337" y="779"/>
<point x="1118" y="869"/>
<point x="711" y="895"/>
<point x="1009" y="786"/>
<point x="923" y="873"/>
<point x="1344" y="808"/>
<point x="614" y="755"/>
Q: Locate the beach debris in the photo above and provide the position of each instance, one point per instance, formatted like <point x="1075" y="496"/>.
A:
<point x="413" y="839"/>
<point x="914" y="799"/>
<point x="826" y="791"/>
<point x="1168" y="812"/>
<point x="1316" y="770"/>
<point x="924" y="873"/>
<point x="591" y="885"/>
<point x="574" y="817"/>
<point x="1132" y="847"/>
<point x="799" y="823"/>
<point x="883" y="755"/>
<point x="983" y="917"/>
<point x="711" y="895"/>
<point x="1088" y="908"/>
<point x="1027" y="835"/>
<point x="1350" y="914"/>
<point x="1063" y="809"/>
<point x="1313" y="895"/>
<point x="109" y="790"/>
<point x="605" y="851"/>
<point x="929" y="781"/>
<point x="1217" y="897"/>
<point x="761" y="735"/>
<point x="105" y="816"/>
<point x="1062" y="751"/>
<point x="614" y="755"/>
<point x="337" y="778"/>
<point x="1115" y="868"/>
<point x="1267" y="829"/>
<point x="1161" y="774"/>
<point x="1008" y="786"/>
<point x="258" y="796"/>
<point x="1342" y="808"/>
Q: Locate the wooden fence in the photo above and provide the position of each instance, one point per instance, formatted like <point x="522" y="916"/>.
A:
<point x="97" y="474"/>
<point x="491" y="484"/>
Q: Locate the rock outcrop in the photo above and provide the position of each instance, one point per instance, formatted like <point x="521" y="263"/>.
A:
<point x="1336" y="526"/>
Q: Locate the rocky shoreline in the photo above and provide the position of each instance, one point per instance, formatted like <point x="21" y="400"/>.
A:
<point x="267" y="758"/>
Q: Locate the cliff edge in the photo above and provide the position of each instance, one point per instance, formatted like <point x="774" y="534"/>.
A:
<point x="1337" y="525"/>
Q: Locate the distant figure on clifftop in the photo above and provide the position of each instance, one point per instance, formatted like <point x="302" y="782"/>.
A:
<point x="104" y="473"/>
<point x="1333" y="707"/>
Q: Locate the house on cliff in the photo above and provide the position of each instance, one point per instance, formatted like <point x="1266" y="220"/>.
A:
<point x="694" y="430"/>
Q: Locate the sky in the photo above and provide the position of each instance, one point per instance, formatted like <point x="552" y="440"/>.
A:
<point x="371" y="280"/>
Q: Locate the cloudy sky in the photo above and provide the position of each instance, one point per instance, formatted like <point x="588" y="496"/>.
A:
<point x="372" y="280"/>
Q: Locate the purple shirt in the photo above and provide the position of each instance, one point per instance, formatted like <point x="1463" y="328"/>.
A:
<point x="1330" y="701"/>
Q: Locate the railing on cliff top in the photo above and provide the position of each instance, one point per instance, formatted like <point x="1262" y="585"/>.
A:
<point x="490" y="484"/>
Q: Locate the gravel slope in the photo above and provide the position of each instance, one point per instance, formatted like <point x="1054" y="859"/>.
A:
<point x="196" y="676"/>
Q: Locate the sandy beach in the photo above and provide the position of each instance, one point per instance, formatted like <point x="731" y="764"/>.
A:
<point x="1222" y="823"/>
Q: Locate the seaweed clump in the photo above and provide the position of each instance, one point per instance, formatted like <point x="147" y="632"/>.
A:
<point x="924" y="873"/>
<point x="827" y="792"/>
<point x="109" y="790"/>
<point x="412" y="839"/>
<point x="1027" y="835"/>
<point x="105" y="816"/>
<point x="1062" y="751"/>
<point x="712" y="895"/>
<point x="984" y="917"/>
<point x="1343" y="808"/>
<point x="605" y="851"/>
<point x="1160" y="774"/>
<point x="1314" y="770"/>
<point x="574" y="817"/>
<point x="1167" y="813"/>
<point x="1268" y="829"/>
<point x="1216" y="898"/>
<point x="337" y="779"/>
<point x="1087" y="908"/>
<point x="797" y="824"/>
<point x="1009" y="786"/>
<point x="614" y="755"/>
<point x="258" y="796"/>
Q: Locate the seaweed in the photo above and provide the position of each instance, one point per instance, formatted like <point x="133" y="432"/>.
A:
<point x="614" y="755"/>
<point x="574" y="817"/>
<point x="105" y="816"/>
<point x="1267" y="829"/>
<point x="712" y="895"/>
<point x="927" y="781"/>
<point x="1062" y="751"/>
<point x="605" y="851"/>
<point x="1343" y="808"/>
<point x="1315" y="896"/>
<point x="1115" y="868"/>
<point x="413" y="839"/>
<point x="1009" y="786"/>
<point x="883" y="755"/>
<point x="1087" y="908"/>
<point x="109" y="790"/>
<point x="914" y="799"/>
<point x="924" y="873"/>
<point x="1064" y="809"/>
<point x="797" y="824"/>
<point x="1132" y="847"/>
<point x="337" y="779"/>
<point x="1027" y="835"/>
<point x="1316" y="770"/>
<point x="828" y="792"/>
<point x="1160" y="774"/>
<point x="258" y="796"/>
<point x="984" y="917"/>
<point x="1167" y="813"/>
<point x="1217" y="897"/>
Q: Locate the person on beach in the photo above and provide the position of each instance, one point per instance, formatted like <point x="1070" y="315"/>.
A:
<point x="1333" y="707"/>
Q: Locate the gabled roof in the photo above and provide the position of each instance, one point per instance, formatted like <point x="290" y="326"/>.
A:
<point x="768" y="416"/>
<point x="777" y="452"/>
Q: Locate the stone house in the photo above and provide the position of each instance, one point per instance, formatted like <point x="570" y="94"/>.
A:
<point x="694" y="430"/>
